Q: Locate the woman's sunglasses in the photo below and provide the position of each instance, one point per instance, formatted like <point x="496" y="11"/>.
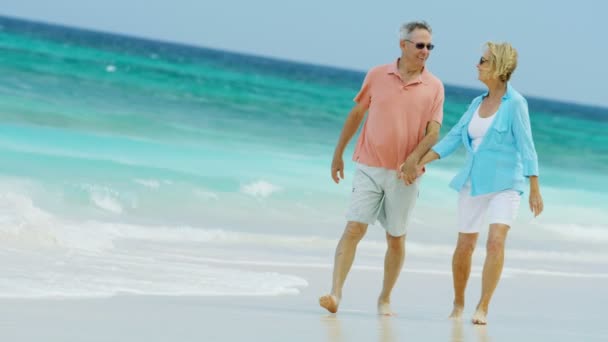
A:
<point x="482" y="60"/>
<point x="421" y="46"/>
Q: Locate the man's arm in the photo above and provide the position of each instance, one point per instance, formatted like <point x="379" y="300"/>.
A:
<point x="408" y="168"/>
<point x="351" y="125"/>
<point x="429" y="140"/>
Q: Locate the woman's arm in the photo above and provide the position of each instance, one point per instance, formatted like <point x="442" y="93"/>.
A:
<point x="430" y="156"/>
<point x="536" y="200"/>
<point x="522" y="132"/>
<point x="448" y="144"/>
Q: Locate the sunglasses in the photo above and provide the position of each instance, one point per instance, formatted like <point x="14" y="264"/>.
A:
<point x="421" y="46"/>
<point x="482" y="60"/>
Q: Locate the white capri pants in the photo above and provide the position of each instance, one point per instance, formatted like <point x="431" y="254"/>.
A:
<point x="497" y="207"/>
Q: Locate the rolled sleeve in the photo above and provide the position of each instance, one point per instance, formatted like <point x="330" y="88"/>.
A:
<point x="530" y="167"/>
<point x="522" y="132"/>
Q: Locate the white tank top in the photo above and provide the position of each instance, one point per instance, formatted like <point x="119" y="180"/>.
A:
<point x="478" y="128"/>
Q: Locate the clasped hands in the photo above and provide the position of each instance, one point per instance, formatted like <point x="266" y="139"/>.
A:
<point x="409" y="171"/>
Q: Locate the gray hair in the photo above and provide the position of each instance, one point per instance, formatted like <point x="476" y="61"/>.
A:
<point x="407" y="28"/>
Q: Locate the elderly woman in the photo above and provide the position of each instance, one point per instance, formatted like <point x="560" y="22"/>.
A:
<point x="495" y="130"/>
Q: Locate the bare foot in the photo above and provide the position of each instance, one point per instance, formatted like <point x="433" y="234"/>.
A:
<point x="384" y="309"/>
<point x="457" y="312"/>
<point x="480" y="317"/>
<point x="329" y="302"/>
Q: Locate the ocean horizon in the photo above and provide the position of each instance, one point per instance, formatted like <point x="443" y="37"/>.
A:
<point x="23" y="23"/>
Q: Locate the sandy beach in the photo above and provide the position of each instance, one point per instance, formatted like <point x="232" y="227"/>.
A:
<point x="526" y="308"/>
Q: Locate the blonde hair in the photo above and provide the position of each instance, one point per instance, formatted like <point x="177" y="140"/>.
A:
<point x="503" y="60"/>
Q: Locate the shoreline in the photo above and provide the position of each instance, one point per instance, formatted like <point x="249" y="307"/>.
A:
<point x="523" y="309"/>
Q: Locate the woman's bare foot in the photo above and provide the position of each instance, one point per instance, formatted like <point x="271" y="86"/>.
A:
<point x="330" y="303"/>
<point x="457" y="312"/>
<point x="384" y="309"/>
<point x="480" y="316"/>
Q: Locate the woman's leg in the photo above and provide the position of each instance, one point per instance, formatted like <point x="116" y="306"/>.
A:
<point x="492" y="269"/>
<point x="461" y="268"/>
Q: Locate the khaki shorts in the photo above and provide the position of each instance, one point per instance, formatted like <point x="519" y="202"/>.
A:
<point x="379" y="195"/>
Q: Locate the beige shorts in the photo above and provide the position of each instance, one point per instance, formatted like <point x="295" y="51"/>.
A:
<point x="378" y="195"/>
<point x="498" y="207"/>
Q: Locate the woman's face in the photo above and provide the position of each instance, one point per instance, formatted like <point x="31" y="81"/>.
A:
<point x="483" y="67"/>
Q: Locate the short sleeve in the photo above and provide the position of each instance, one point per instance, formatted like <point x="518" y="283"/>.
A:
<point x="437" y="109"/>
<point x="364" y="96"/>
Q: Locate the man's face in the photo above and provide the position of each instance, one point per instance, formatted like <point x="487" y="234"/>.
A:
<point x="416" y="49"/>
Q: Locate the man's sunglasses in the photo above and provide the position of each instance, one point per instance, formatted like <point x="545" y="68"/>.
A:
<point x="421" y="46"/>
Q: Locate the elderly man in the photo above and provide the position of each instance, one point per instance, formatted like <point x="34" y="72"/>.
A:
<point x="405" y="105"/>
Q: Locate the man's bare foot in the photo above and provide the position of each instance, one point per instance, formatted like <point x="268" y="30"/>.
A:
<point x="330" y="303"/>
<point x="384" y="309"/>
<point x="457" y="312"/>
<point x="480" y="317"/>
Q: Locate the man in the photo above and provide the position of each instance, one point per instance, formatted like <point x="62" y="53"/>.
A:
<point x="405" y="104"/>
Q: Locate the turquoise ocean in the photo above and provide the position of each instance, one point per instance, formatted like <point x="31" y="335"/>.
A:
<point x="138" y="166"/>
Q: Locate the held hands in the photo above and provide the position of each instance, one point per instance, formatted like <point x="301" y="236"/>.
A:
<point x="337" y="168"/>
<point x="409" y="171"/>
<point x="536" y="202"/>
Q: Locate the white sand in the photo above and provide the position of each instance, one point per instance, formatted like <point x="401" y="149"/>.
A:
<point x="525" y="308"/>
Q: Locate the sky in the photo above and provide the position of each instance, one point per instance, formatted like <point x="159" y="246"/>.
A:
<point x="562" y="54"/>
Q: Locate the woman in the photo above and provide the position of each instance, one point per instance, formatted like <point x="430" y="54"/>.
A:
<point x="496" y="133"/>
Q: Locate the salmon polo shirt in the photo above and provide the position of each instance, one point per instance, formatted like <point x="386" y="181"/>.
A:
<point x="398" y="114"/>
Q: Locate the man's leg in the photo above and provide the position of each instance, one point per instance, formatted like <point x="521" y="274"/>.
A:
<point x="492" y="269"/>
<point x="461" y="269"/>
<point x="393" y="262"/>
<point x="343" y="260"/>
<point x="394" y="215"/>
